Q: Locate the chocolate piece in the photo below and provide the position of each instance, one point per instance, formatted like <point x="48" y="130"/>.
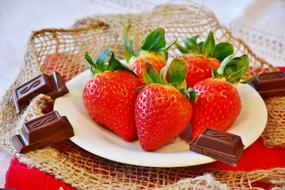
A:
<point x="272" y="93"/>
<point x="270" y="84"/>
<point x="219" y="145"/>
<point x="42" y="131"/>
<point x="52" y="86"/>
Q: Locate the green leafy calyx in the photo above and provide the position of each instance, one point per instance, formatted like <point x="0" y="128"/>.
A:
<point x="176" y="72"/>
<point x="232" y="69"/>
<point x="106" y="61"/>
<point x="154" y="41"/>
<point x="208" y="47"/>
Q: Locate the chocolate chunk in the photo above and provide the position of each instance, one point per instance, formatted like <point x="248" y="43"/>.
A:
<point x="270" y="84"/>
<point x="45" y="130"/>
<point x="52" y="86"/>
<point x="219" y="145"/>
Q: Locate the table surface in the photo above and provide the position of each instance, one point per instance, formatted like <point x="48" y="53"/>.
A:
<point x="19" y="18"/>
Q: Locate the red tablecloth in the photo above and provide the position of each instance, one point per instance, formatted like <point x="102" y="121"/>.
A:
<point x="257" y="156"/>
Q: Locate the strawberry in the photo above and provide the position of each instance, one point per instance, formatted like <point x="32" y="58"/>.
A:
<point x="108" y="97"/>
<point x="156" y="59"/>
<point x="153" y="50"/>
<point x="162" y="110"/>
<point x="202" y="57"/>
<point x="218" y="102"/>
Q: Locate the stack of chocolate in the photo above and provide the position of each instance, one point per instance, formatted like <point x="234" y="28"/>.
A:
<point x="270" y="84"/>
<point x="51" y="127"/>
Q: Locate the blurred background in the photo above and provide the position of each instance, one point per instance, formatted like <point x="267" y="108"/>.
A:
<point x="259" y="22"/>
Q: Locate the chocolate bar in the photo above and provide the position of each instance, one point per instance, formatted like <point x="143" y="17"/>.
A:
<point x="270" y="84"/>
<point x="45" y="130"/>
<point x="52" y="86"/>
<point x="219" y="145"/>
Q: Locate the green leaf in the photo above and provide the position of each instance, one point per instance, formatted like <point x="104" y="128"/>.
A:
<point x="102" y="59"/>
<point x="127" y="56"/>
<point x="215" y="74"/>
<point x="100" y="65"/>
<point x="223" y="64"/>
<point x="182" y="49"/>
<point x="192" y="45"/>
<point x="93" y="67"/>
<point x="182" y="87"/>
<point x="200" y="46"/>
<point x="146" y="78"/>
<point x="190" y="42"/>
<point x="192" y="95"/>
<point x="177" y="72"/>
<point x="88" y="58"/>
<point x="236" y="76"/>
<point x="222" y="50"/>
<point x="163" y="73"/>
<point x="244" y="61"/>
<point x="209" y="45"/>
<point x="115" y="64"/>
<point x="233" y="68"/>
<point x="128" y="43"/>
<point x="155" y="40"/>
<point x="152" y="72"/>
<point x="236" y="64"/>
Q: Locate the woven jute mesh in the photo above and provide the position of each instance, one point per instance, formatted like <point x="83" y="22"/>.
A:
<point x="63" y="49"/>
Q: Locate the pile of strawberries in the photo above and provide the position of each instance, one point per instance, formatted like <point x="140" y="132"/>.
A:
<point x="155" y="99"/>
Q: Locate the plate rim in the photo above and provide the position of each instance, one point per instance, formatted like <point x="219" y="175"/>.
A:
<point x="118" y="159"/>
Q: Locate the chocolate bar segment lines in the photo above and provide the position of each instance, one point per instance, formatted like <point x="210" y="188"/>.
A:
<point x="52" y="86"/>
<point x="42" y="131"/>
<point x="270" y="84"/>
<point x="219" y="145"/>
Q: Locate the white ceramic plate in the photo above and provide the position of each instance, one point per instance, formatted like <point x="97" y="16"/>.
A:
<point x="97" y="140"/>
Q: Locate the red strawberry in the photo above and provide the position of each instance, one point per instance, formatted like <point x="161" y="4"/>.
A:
<point x="199" y="67"/>
<point x="156" y="59"/>
<point x="218" y="102"/>
<point x="162" y="111"/>
<point x="108" y="97"/>
<point x="202" y="57"/>
<point x="153" y="51"/>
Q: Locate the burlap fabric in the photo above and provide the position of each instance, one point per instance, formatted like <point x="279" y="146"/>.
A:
<point x="63" y="49"/>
